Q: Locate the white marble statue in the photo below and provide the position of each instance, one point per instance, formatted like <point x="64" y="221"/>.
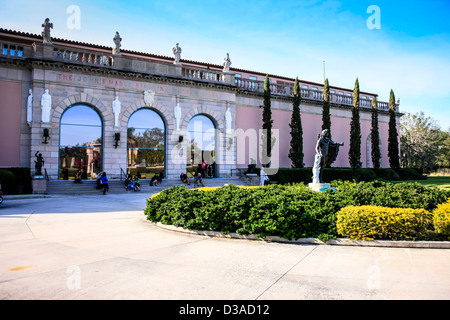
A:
<point x="228" y="120"/>
<point x="262" y="177"/>
<point x="117" y="107"/>
<point x="47" y="25"/>
<point x="177" y="53"/>
<point x="316" y="168"/>
<point x="30" y="106"/>
<point x="149" y="97"/>
<point x="117" y="43"/>
<point x="227" y="63"/>
<point x="177" y="113"/>
<point x="46" y="106"/>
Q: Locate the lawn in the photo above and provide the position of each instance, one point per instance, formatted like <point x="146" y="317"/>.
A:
<point x="438" y="181"/>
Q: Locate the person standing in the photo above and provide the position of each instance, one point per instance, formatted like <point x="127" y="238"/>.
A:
<point x="104" y="180"/>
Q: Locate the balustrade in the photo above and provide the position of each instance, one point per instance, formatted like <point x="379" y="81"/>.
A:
<point x="278" y="89"/>
<point x="203" y="74"/>
<point x="81" y="56"/>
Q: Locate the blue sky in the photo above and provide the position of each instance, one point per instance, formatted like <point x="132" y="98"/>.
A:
<point x="410" y="53"/>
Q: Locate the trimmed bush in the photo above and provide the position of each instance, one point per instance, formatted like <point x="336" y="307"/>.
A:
<point x="15" y="180"/>
<point x="442" y="219"/>
<point x="387" y="174"/>
<point x="410" y="174"/>
<point x="288" y="211"/>
<point x="382" y="223"/>
<point x="304" y="175"/>
<point x="364" y="174"/>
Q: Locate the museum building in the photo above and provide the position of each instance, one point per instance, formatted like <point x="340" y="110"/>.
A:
<point x="94" y="108"/>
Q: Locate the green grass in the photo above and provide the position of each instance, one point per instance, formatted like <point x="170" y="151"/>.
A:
<point x="442" y="182"/>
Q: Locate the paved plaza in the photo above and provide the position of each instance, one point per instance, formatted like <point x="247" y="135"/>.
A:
<point x="102" y="247"/>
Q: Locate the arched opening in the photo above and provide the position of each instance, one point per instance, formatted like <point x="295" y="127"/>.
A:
<point x="80" y="142"/>
<point x="202" y="144"/>
<point x="146" y="144"/>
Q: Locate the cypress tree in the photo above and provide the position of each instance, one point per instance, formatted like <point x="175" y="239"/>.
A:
<point x="267" y="125"/>
<point x="393" y="149"/>
<point x="326" y="119"/>
<point x="296" y="151"/>
<point x="354" y="154"/>
<point x="375" y="135"/>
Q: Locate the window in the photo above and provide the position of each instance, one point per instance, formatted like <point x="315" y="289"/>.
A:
<point x="202" y="143"/>
<point x="146" y="143"/>
<point x="12" y="50"/>
<point x="80" y="145"/>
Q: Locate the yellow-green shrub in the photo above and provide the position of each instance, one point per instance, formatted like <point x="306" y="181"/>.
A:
<point x="372" y="222"/>
<point x="441" y="216"/>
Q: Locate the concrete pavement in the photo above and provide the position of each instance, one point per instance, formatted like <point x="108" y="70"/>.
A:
<point x="102" y="247"/>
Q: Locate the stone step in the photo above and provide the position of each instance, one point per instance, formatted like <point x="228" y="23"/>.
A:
<point x="117" y="186"/>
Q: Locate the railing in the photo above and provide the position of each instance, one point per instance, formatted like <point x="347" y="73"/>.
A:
<point x="286" y="90"/>
<point x="122" y="173"/>
<point x="203" y="74"/>
<point x="82" y="56"/>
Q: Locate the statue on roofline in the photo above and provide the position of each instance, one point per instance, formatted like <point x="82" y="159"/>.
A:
<point x="47" y="25"/>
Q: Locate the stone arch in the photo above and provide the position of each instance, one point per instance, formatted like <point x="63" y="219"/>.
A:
<point x="369" y="163"/>
<point x="105" y="113"/>
<point x="163" y="112"/>
<point x="216" y="117"/>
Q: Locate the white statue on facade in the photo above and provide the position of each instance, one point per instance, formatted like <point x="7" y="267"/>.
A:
<point x="177" y="113"/>
<point x="47" y="25"/>
<point x="117" y="107"/>
<point x="30" y="106"/>
<point x="149" y="97"/>
<point x="117" y="43"/>
<point x="46" y="106"/>
<point x="227" y="63"/>
<point x="177" y="53"/>
<point x="228" y="119"/>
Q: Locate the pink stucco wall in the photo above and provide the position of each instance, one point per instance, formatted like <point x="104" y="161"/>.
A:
<point x="251" y="117"/>
<point x="10" y="106"/>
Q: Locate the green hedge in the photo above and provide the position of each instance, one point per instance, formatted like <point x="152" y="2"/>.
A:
<point x="15" y="180"/>
<point x="305" y="175"/>
<point x="288" y="211"/>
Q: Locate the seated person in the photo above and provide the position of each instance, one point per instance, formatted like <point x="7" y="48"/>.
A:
<point x="184" y="178"/>
<point x="154" y="181"/>
<point x="78" y="177"/>
<point x="199" y="179"/>
<point x="128" y="180"/>
<point x="160" y="177"/>
<point x="137" y="183"/>
<point x="99" y="182"/>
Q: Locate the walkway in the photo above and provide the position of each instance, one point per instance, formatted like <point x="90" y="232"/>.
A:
<point x="102" y="247"/>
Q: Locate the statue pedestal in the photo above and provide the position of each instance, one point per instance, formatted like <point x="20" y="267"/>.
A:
<point x="320" y="187"/>
<point x="39" y="185"/>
